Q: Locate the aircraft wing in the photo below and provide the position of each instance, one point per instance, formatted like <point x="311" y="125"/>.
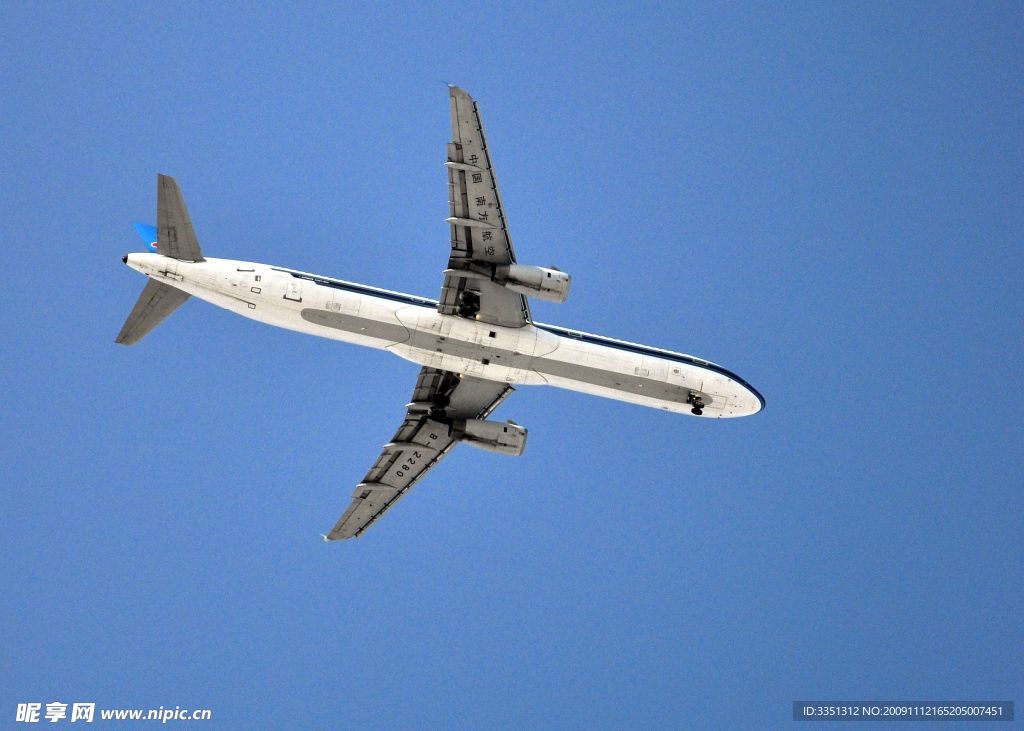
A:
<point x="419" y="443"/>
<point x="480" y="238"/>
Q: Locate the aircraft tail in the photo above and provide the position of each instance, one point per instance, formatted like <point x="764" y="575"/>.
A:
<point x="174" y="238"/>
<point x="148" y="235"/>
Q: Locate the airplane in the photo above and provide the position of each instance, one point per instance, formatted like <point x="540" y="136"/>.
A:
<point x="474" y="344"/>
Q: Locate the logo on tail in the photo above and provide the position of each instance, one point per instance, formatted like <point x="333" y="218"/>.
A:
<point x="148" y="235"/>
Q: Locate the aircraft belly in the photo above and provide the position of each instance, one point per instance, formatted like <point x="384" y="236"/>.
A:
<point x="467" y="346"/>
<point x="612" y="373"/>
<point x="617" y="383"/>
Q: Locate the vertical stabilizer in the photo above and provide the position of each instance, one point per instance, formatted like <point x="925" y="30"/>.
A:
<point x="175" y="237"/>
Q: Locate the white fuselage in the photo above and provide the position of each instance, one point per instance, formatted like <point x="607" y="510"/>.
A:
<point x="412" y="328"/>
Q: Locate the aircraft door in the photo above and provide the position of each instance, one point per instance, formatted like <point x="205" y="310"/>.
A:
<point x="293" y="290"/>
<point x="642" y="367"/>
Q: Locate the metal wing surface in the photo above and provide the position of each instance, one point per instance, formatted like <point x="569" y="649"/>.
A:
<point x="419" y="444"/>
<point x="479" y="231"/>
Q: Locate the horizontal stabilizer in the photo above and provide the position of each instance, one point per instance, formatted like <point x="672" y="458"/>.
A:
<point x="175" y="237"/>
<point x="156" y="302"/>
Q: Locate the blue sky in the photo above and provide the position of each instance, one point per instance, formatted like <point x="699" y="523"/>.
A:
<point x="825" y="198"/>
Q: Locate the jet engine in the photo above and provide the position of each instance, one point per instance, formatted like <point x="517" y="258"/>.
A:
<point x="546" y="284"/>
<point x="492" y="436"/>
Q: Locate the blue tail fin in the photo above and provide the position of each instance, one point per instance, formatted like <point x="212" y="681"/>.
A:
<point x="148" y="235"/>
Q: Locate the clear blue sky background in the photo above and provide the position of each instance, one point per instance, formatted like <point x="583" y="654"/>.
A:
<point x="826" y="198"/>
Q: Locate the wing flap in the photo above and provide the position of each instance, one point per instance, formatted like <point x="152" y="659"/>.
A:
<point x="419" y="444"/>
<point x="416" y="447"/>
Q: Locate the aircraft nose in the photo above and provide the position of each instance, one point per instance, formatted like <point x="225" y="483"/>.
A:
<point x="124" y="259"/>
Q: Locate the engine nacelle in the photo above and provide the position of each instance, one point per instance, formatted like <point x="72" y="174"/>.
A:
<point x="546" y="284"/>
<point x="492" y="436"/>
